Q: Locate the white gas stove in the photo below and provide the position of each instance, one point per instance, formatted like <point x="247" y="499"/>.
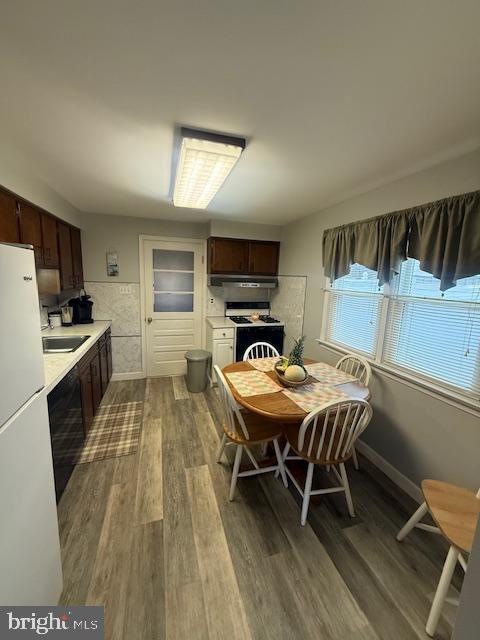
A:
<point x="246" y="314"/>
<point x="253" y="323"/>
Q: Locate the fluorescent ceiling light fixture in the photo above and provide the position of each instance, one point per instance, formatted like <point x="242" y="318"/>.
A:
<point x="204" y="163"/>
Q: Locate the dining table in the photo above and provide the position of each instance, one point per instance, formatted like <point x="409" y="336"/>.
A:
<point x="278" y="406"/>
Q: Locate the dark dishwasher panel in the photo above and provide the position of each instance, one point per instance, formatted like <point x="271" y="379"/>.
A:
<point x="263" y="333"/>
<point x="66" y="428"/>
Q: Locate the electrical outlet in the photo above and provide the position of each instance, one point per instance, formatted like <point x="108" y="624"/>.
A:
<point x="125" y="289"/>
<point x="211" y="300"/>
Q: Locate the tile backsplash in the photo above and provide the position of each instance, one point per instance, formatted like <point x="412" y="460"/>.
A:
<point x="120" y="303"/>
<point x="287" y="303"/>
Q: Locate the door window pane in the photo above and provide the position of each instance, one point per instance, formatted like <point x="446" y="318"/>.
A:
<point x="172" y="281"/>
<point x="173" y="260"/>
<point x="168" y="302"/>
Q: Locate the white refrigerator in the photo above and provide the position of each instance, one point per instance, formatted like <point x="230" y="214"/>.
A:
<point x="30" y="562"/>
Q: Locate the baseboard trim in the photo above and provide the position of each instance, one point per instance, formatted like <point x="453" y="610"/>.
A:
<point x="390" y="471"/>
<point x="132" y="375"/>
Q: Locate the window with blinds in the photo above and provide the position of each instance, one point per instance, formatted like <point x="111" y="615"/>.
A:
<point x="354" y="310"/>
<point x="431" y="334"/>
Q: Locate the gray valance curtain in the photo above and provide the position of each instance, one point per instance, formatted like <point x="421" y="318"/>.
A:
<point x="443" y="235"/>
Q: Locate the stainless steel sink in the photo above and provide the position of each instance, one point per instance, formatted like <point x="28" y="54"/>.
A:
<point x="62" y="344"/>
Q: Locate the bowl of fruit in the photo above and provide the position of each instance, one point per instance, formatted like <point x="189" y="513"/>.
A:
<point x="291" y="371"/>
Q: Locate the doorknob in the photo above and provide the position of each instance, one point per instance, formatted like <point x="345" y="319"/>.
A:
<point x="149" y="320"/>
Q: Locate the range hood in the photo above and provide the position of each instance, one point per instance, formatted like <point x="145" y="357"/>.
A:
<point x="242" y="282"/>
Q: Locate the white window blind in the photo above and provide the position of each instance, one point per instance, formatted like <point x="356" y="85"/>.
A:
<point x="354" y="308"/>
<point x="432" y="333"/>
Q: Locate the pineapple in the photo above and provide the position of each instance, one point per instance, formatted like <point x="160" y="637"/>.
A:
<point x="296" y="354"/>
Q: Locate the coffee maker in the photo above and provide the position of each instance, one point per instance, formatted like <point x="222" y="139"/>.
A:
<point x="82" y="309"/>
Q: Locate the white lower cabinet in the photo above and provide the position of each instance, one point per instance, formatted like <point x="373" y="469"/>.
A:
<point x="222" y="353"/>
<point x="221" y="342"/>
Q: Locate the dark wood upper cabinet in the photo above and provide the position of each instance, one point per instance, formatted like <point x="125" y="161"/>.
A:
<point x="57" y="244"/>
<point x="9" y="227"/>
<point x="263" y="258"/>
<point x="65" y="250"/>
<point x="31" y="230"/>
<point x="50" y="243"/>
<point x="227" y="255"/>
<point x="248" y="257"/>
<point x="77" y="264"/>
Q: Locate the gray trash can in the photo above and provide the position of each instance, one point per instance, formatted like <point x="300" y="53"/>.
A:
<point x="198" y="363"/>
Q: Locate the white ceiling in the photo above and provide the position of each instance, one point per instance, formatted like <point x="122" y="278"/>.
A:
<point x="335" y="96"/>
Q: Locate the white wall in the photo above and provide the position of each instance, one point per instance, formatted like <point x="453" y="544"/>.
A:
<point x="420" y="435"/>
<point x="101" y="233"/>
<point x="29" y="186"/>
<point x="250" y="231"/>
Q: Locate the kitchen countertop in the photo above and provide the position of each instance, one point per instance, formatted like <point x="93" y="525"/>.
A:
<point x="220" y="322"/>
<point x="57" y="365"/>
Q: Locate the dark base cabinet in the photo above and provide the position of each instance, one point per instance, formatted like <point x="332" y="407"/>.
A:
<point x="87" y="398"/>
<point x="94" y="371"/>
<point x="73" y="403"/>
<point x="105" y="344"/>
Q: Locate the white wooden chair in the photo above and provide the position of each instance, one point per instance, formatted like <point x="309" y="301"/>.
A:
<point x="260" y="350"/>
<point x="360" y="368"/>
<point x="455" y="511"/>
<point x="326" y="437"/>
<point x="245" y="429"/>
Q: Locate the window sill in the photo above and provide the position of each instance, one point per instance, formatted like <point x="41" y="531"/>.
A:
<point x="449" y="397"/>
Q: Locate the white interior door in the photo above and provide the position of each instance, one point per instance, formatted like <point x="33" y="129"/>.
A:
<point x="173" y="304"/>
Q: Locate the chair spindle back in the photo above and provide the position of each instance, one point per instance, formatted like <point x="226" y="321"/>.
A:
<point x="329" y="432"/>
<point x="356" y="366"/>
<point x="260" y="350"/>
<point x="232" y="415"/>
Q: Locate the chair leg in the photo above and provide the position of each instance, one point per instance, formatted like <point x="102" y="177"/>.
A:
<point x="355" y="459"/>
<point x="415" y="519"/>
<point x="252" y="458"/>
<point x="286" y="449"/>
<point x="306" y="494"/>
<point x="442" y="590"/>
<point x="223" y="442"/>
<point x="281" y="467"/>
<point x="236" y="467"/>
<point x="348" y="495"/>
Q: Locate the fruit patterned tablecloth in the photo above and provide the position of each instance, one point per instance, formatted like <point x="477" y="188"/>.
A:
<point x="264" y="364"/>
<point x="252" y="383"/>
<point x="326" y="374"/>
<point x="311" y="396"/>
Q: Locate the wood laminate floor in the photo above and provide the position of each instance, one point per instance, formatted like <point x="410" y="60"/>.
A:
<point x="153" y="537"/>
